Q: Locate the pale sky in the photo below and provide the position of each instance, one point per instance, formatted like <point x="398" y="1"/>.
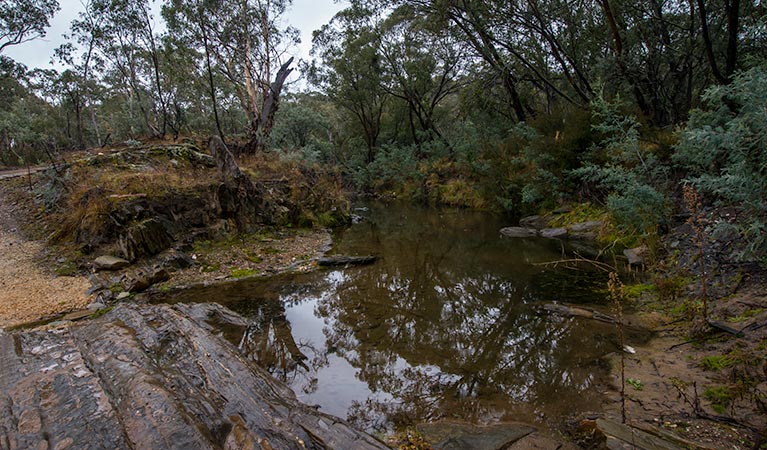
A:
<point x="305" y="15"/>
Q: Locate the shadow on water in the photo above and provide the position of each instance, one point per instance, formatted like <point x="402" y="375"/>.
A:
<point x="444" y="325"/>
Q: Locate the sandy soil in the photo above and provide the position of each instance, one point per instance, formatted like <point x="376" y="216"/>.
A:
<point x="28" y="291"/>
<point x="671" y="378"/>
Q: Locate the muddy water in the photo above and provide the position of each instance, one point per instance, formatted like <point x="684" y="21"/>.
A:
<point x="443" y="325"/>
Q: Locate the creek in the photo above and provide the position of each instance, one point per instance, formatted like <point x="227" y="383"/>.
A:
<point x="446" y="324"/>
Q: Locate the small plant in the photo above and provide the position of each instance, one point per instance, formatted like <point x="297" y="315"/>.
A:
<point x="716" y="362"/>
<point x="746" y="315"/>
<point x="636" y="384"/>
<point x="719" y="396"/>
<point x="101" y="312"/>
<point x="66" y="269"/>
<point x="253" y="257"/>
<point x="615" y="287"/>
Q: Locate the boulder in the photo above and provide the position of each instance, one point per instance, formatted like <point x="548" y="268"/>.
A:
<point x="554" y="233"/>
<point x="619" y="437"/>
<point x="519" y="232"/>
<point x="154" y="377"/>
<point x="108" y="262"/>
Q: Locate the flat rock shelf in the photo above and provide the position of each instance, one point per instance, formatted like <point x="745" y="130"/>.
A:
<point x="160" y="377"/>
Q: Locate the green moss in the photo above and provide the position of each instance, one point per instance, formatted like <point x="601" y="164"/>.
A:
<point x="582" y="212"/>
<point x="719" y="396"/>
<point x="271" y="251"/>
<point x="101" y="312"/>
<point x="242" y="273"/>
<point x="746" y="315"/>
<point x="207" y="268"/>
<point x="253" y="257"/>
<point x="716" y="362"/>
<point x="636" y="290"/>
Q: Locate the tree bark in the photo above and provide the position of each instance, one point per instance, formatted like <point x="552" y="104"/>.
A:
<point x="263" y="123"/>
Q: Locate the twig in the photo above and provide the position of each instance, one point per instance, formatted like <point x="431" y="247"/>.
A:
<point x="681" y="344"/>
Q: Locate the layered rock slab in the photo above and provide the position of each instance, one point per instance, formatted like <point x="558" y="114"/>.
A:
<point x="155" y="377"/>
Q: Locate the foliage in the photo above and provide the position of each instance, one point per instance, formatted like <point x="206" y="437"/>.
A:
<point x="636" y="290"/>
<point x="636" y="384"/>
<point x="716" y="362"/>
<point x="628" y="173"/>
<point x="720" y="397"/>
<point x="723" y="150"/>
<point x="24" y="20"/>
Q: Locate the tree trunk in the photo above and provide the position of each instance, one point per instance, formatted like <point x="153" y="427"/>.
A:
<point x="262" y="125"/>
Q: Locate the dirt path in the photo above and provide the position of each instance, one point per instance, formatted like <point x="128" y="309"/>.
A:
<point x="27" y="290"/>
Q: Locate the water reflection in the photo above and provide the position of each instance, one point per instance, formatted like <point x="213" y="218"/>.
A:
<point x="443" y="325"/>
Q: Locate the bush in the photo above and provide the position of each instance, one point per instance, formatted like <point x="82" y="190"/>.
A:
<point x="627" y="171"/>
<point x="724" y="149"/>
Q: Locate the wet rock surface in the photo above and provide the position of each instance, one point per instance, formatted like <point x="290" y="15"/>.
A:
<point x="152" y="377"/>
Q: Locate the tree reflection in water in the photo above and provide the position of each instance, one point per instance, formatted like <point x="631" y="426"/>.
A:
<point x="443" y="325"/>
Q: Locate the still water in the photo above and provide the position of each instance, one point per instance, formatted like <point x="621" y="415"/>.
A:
<point x="444" y="325"/>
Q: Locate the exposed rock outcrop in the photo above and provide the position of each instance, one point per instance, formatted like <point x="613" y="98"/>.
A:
<point x="152" y="377"/>
<point x="536" y="226"/>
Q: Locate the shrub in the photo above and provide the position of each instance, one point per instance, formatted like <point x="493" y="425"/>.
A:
<point x="724" y="149"/>
<point x="626" y="171"/>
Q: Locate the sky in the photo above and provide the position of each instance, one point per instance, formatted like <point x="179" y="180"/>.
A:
<point x="305" y="15"/>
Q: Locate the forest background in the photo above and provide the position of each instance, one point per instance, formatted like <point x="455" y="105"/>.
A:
<point x="516" y="106"/>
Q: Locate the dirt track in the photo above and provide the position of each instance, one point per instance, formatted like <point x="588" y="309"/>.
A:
<point x="28" y="291"/>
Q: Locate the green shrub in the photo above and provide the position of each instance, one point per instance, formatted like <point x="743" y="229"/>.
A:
<point x="627" y="171"/>
<point x="724" y="149"/>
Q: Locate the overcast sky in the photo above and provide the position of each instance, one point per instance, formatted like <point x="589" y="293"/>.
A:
<point x="306" y="15"/>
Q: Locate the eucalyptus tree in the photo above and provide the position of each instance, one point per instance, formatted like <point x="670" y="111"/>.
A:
<point x="124" y="34"/>
<point x="350" y="71"/>
<point x="24" y="20"/>
<point x="421" y="66"/>
<point x="250" y="48"/>
<point x="78" y="82"/>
